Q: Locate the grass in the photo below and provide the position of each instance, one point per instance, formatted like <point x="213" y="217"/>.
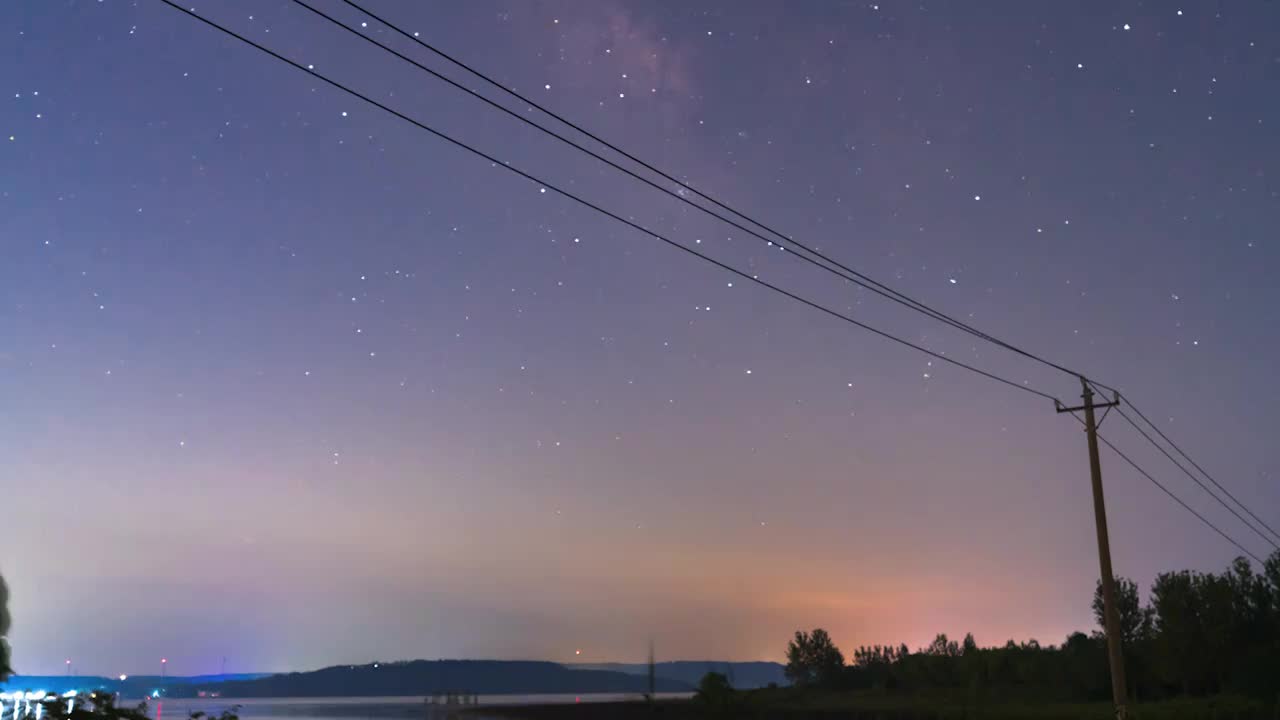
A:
<point x="790" y="704"/>
<point x="893" y="706"/>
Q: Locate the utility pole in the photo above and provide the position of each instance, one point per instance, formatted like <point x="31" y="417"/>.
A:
<point x="1111" y="615"/>
<point x="653" y="678"/>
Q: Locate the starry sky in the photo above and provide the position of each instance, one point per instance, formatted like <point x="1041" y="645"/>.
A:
<point x="289" y="381"/>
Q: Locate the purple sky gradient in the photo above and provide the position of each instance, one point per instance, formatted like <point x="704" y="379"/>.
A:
<point x="289" y="381"/>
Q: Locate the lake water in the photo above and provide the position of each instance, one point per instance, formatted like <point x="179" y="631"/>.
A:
<point x="372" y="708"/>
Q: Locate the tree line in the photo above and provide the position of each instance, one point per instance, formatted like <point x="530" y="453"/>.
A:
<point x="4" y="631"/>
<point x="1198" y="633"/>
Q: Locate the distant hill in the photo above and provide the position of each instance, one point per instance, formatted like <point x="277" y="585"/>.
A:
<point x="424" y="677"/>
<point x="745" y="675"/>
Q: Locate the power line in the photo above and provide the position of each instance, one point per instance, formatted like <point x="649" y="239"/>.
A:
<point x="1178" y="500"/>
<point x="708" y="259"/>
<point x="1189" y="474"/>
<point x="848" y="274"/>
<point x="1197" y="480"/>
<point x="865" y="283"/>
<point x="607" y="213"/>
<point x="1202" y="470"/>
<point x="1166" y="490"/>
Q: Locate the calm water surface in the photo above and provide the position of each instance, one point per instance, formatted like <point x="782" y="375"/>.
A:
<point x="371" y="708"/>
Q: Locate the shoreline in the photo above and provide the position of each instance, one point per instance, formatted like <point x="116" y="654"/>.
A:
<point x="616" y="710"/>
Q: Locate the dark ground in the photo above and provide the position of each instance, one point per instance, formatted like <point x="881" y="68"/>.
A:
<point x="856" y="706"/>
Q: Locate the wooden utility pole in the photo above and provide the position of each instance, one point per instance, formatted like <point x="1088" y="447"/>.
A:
<point x="653" y="677"/>
<point x="1111" y="615"/>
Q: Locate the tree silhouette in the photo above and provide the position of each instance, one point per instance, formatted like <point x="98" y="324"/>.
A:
<point x="1137" y="625"/>
<point x="1179" y="642"/>
<point x="5" y="670"/>
<point x="942" y="647"/>
<point x="715" y="695"/>
<point x="1135" y="620"/>
<point x="812" y="659"/>
<point x="1201" y="633"/>
<point x="714" y="688"/>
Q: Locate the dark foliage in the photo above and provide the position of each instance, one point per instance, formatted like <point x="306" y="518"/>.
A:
<point x="812" y="659"/>
<point x="744" y="675"/>
<point x="5" y="670"/>
<point x="1200" y="634"/>
<point x="714" y="692"/>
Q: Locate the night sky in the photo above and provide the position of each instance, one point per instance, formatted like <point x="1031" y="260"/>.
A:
<point x="287" y="380"/>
